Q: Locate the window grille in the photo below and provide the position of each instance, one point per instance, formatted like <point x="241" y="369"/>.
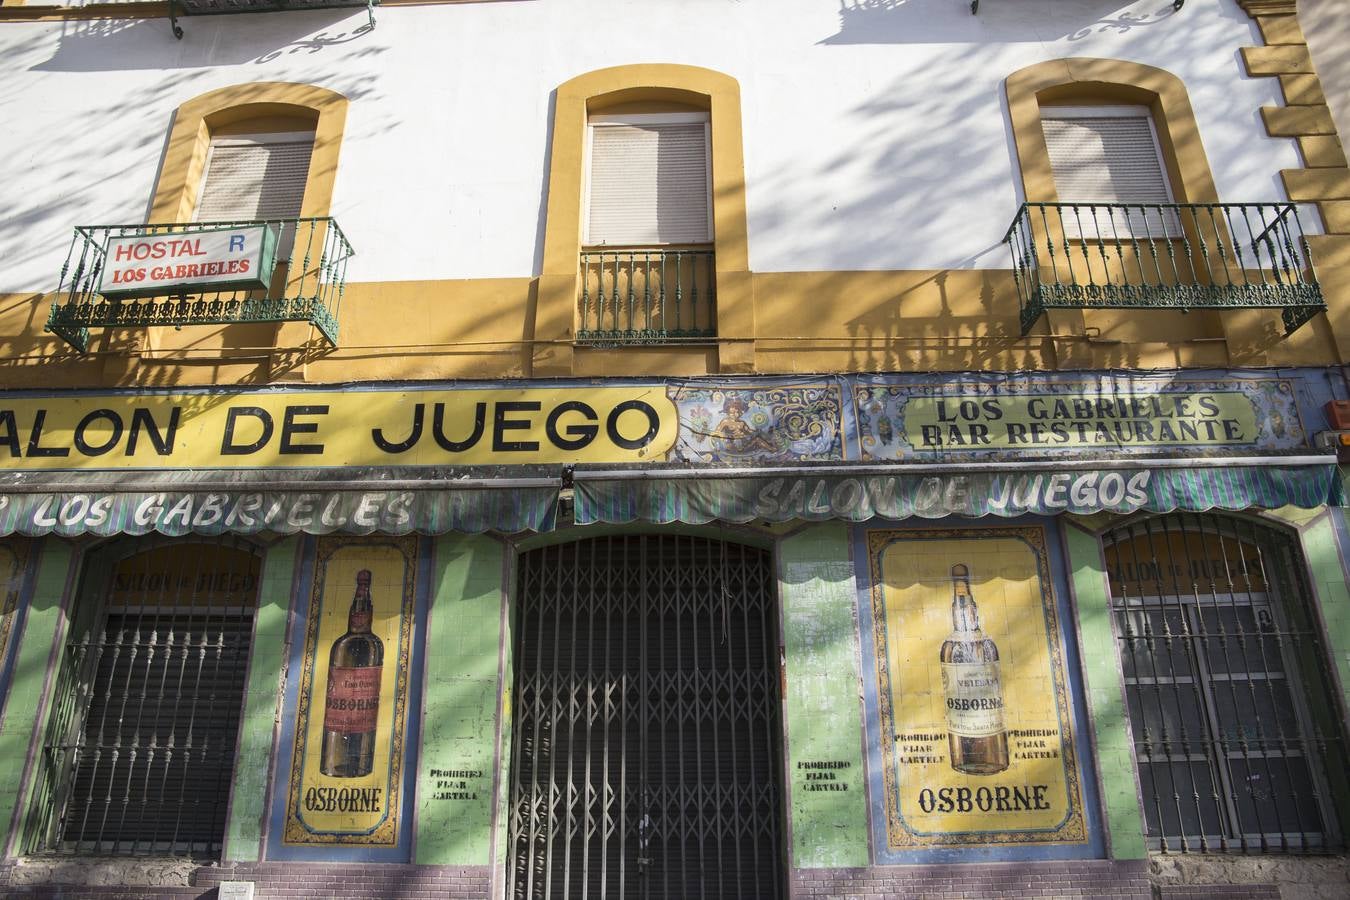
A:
<point x="645" y="759"/>
<point x="139" y="753"/>
<point x="1229" y="699"/>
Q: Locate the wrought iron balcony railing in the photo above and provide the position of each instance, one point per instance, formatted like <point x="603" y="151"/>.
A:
<point x="304" y="283"/>
<point x="647" y="296"/>
<point x="1183" y="256"/>
<point x="220" y="7"/>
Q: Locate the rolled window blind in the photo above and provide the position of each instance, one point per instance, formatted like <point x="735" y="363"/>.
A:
<point x="1109" y="159"/>
<point x="649" y="184"/>
<point x="246" y="181"/>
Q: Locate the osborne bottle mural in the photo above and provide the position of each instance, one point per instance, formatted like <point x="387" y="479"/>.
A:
<point x="976" y="738"/>
<point x="347" y="768"/>
<point x="351" y="707"/>
<point x="977" y="743"/>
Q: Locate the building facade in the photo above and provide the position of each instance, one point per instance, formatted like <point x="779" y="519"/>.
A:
<point x="744" y="448"/>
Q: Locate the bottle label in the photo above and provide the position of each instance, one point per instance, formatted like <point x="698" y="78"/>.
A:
<point x="974" y="698"/>
<point x="353" y="703"/>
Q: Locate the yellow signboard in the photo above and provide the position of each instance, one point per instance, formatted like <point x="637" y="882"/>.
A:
<point x="977" y="728"/>
<point x="339" y="428"/>
<point x="1078" y="421"/>
<point x="347" y="767"/>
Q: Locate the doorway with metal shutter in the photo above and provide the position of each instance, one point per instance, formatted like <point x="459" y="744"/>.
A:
<point x="138" y="753"/>
<point x="646" y="759"/>
<point x="1230" y="700"/>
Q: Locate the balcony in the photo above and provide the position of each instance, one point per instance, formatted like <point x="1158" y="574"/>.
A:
<point x="213" y="7"/>
<point x="221" y="7"/>
<point x="1184" y="256"/>
<point x="647" y="296"/>
<point x="298" y="275"/>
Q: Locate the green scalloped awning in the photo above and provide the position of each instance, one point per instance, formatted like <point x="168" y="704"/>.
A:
<point x="902" y="492"/>
<point x="387" y="501"/>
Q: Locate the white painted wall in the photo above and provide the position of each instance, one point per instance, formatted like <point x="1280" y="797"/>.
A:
<point x="1327" y="28"/>
<point x="876" y="133"/>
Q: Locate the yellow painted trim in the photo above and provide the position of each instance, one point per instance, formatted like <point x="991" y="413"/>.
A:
<point x="657" y="84"/>
<point x="1085" y="81"/>
<point x="180" y="176"/>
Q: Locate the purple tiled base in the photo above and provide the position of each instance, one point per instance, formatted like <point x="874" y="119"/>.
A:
<point x="992" y="881"/>
<point x="292" y="881"/>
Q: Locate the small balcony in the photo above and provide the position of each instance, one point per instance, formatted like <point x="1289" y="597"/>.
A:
<point x="201" y="273"/>
<point x="1185" y="256"/>
<point x="214" y="7"/>
<point x="222" y="7"/>
<point x="647" y="296"/>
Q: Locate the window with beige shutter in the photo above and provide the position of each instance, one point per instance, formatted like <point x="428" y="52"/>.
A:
<point x="1106" y="160"/>
<point x="253" y="177"/>
<point x="648" y="180"/>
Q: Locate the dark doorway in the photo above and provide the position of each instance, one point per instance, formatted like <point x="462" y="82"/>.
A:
<point x="646" y="759"/>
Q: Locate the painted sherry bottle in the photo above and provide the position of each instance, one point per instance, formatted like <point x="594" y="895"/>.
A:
<point x="976" y="737"/>
<point x="351" y="709"/>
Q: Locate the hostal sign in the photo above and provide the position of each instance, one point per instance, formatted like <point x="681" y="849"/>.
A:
<point x="221" y="259"/>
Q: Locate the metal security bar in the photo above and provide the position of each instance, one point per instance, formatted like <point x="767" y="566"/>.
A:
<point x="139" y="751"/>
<point x="306" y="284"/>
<point x="1227" y="686"/>
<point x="646" y="759"/>
<point x="647" y="296"/>
<point x="1162" y="256"/>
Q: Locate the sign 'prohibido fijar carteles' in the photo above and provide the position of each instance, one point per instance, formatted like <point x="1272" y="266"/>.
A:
<point x="214" y="259"/>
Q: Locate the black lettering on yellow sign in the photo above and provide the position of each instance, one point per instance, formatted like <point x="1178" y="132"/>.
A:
<point x="998" y="799"/>
<point x="1086" y="421"/>
<point x="420" y="427"/>
<point x="97" y="433"/>
<point x="291" y="426"/>
<point x="346" y="800"/>
<point x="576" y="432"/>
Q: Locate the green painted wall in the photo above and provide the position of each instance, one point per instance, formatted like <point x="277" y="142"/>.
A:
<point x="25" y="707"/>
<point x="1101" y="665"/>
<point x="507" y="719"/>
<point x="824" y="711"/>
<point x="266" y="686"/>
<point x="461" y="699"/>
<point x="1324" y="559"/>
<point x="1323" y="555"/>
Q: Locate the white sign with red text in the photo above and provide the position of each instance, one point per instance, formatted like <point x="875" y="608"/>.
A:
<point x="145" y="265"/>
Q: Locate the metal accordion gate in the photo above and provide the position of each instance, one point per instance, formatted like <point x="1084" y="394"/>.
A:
<point x="646" y="756"/>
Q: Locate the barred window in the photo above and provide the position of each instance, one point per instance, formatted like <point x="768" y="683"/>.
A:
<point x="1229" y="699"/>
<point x="139" y="749"/>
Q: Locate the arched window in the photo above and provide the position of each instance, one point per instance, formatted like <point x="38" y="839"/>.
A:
<point x="138" y="753"/>
<point x="1236" y="738"/>
<point x="1109" y="155"/>
<point x="646" y="204"/>
<point x="269" y="149"/>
